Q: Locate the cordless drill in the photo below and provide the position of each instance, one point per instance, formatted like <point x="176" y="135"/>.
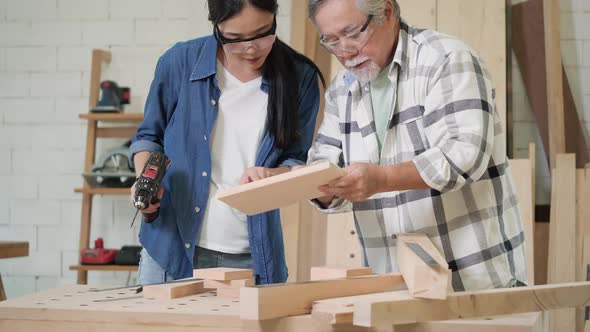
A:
<point x="148" y="184"/>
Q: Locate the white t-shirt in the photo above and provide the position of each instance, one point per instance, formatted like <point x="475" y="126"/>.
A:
<point x="234" y="144"/>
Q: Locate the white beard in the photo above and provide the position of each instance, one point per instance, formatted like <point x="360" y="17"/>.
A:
<point x="367" y="73"/>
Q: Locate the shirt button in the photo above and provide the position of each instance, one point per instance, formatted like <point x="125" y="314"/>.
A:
<point x="204" y="174"/>
<point x="213" y="102"/>
<point x="187" y="245"/>
<point x="197" y="209"/>
<point x="205" y="137"/>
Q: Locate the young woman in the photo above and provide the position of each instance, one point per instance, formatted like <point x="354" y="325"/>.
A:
<point x="233" y="107"/>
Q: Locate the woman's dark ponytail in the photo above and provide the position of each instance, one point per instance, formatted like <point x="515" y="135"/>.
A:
<point x="279" y="70"/>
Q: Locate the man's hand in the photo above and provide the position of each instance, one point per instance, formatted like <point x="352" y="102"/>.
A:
<point x="360" y="182"/>
<point x="258" y="173"/>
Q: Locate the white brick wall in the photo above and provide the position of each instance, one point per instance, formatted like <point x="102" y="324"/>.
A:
<point x="575" y="49"/>
<point x="45" y="50"/>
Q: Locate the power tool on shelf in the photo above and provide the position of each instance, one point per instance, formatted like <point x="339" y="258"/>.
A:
<point x="148" y="185"/>
<point x="112" y="98"/>
<point x="98" y="255"/>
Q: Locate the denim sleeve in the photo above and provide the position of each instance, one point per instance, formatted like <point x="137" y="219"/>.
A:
<point x="158" y="106"/>
<point x="309" y="102"/>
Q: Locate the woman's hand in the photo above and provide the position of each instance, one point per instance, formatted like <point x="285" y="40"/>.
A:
<point x="152" y="207"/>
<point x="258" y="173"/>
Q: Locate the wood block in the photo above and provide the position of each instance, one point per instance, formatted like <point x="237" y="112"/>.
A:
<point x="522" y="177"/>
<point x="326" y="273"/>
<point x="401" y="308"/>
<point x="281" y="190"/>
<point x="274" y="301"/>
<point x="174" y="290"/>
<point x="238" y="283"/>
<point x="424" y="269"/>
<point x="223" y="274"/>
<point x="228" y="292"/>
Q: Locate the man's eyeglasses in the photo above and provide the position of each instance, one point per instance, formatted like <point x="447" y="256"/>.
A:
<point x="241" y="45"/>
<point x="357" y="38"/>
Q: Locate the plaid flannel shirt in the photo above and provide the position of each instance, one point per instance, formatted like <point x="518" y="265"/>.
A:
<point x="444" y="121"/>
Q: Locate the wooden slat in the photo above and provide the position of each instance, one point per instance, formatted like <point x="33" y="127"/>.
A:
<point x="274" y="301"/>
<point x="551" y="13"/>
<point x="114" y="132"/>
<point x="174" y="290"/>
<point x="98" y="57"/>
<point x="223" y="273"/>
<point x="529" y="48"/>
<point x="401" y="308"/>
<point x="216" y="284"/>
<point x="327" y="272"/>
<point x="103" y="268"/>
<point x="522" y="177"/>
<point x="582" y="236"/>
<point x="9" y="249"/>
<point x="425" y="271"/>
<point x="561" y="265"/>
<point x="103" y="191"/>
<point x="280" y="190"/>
<point x="112" y="117"/>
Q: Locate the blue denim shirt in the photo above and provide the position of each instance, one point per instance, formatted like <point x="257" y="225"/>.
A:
<point x="180" y="114"/>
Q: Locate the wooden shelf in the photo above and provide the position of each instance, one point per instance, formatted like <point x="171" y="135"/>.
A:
<point x="113" y="117"/>
<point x="103" y="191"/>
<point x="104" y="267"/>
<point x="9" y="249"/>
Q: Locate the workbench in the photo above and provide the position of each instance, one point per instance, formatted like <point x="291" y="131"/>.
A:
<point x="83" y="308"/>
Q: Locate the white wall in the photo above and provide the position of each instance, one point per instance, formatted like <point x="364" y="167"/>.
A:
<point x="575" y="50"/>
<point x="45" y="49"/>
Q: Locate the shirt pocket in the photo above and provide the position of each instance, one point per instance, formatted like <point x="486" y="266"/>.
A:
<point x="410" y="139"/>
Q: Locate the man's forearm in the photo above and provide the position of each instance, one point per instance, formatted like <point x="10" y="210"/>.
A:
<point x="403" y="176"/>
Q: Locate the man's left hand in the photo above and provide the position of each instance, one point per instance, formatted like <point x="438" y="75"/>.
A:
<point x="361" y="181"/>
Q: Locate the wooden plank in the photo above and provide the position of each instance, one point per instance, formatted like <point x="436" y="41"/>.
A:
<point x="527" y="26"/>
<point x="561" y="264"/>
<point x="110" y="132"/>
<point x="541" y="252"/>
<point x="174" y="290"/>
<point x="327" y="272"/>
<point x="551" y="13"/>
<point x="223" y="273"/>
<point x="522" y="178"/>
<point x="216" y="284"/>
<point x="233" y="293"/>
<point x="424" y="269"/>
<point x="104" y="267"/>
<point x="343" y="247"/>
<point x="98" y="57"/>
<point x="582" y="237"/>
<point x="290" y="223"/>
<point x="112" y="117"/>
<point x="482" y="25"/>
<point x="401" y="308"/>
<point x="281" y="190"/>
<point x="9" y="249"/>
<point x="274" y="301"/>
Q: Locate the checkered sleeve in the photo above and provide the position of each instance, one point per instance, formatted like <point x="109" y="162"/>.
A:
<point x="458" y="123"/>
<point x="328" y="146"/>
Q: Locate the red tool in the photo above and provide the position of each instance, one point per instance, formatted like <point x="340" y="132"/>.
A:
<point x="98" y="255"/>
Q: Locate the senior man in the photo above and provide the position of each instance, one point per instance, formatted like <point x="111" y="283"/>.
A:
<point x="413" y="121"/>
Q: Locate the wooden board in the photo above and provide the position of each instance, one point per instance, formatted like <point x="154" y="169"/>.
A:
<point x="173" y="290"/>
<point x="215" y="284"/>
<point x="582" y="236"/>
<point x="529" y="48"/>
<point x="10" y="249"/>
<point x="522" y="178"/>
<point x="401" y="308"/>
<point x="223" y="273"/>
<point x="281" y="190"/>
<point x="326" y="272"/>
<point x="424" y="269"/>
<point x="482" y="25"/>
<point x="561" y="264"/>
<point x="551" y="15"/>
<point x="233" y="293"/>
<point x="273" y="301"/>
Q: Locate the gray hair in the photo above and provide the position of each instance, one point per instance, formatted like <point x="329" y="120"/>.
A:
<point x="367" y="7"/>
